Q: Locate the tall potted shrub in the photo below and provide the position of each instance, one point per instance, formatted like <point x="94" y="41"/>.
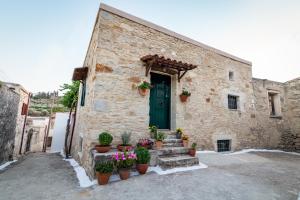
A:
<point x="184" y="95"/>
<point x="105" y="140"/>
<point x="125" y="146"/>
<point x="144" y="88"/>
<point x="159" y="140"/>
<point x="104" y="171"/>
<point x="124" y="162"/>
<point x="143" y="158"/>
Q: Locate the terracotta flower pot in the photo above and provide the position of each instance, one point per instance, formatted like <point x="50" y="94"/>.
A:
<point x="183" y="98"/>
<point x="102" y="149"/>
<point x="124" y="173"/>
<point x="124" y="148"/>
<point x="142" y="168"/>
<point x="103" y="178"/>
<point x="158" y="144"/>
<point x="192" y="152"/>
<point x="185" y="143"/>
<point x="143" y="92"/>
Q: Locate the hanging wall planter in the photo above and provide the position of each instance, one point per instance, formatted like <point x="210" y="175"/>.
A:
<point x="144" y="88"/>
<point x="184" y="95"/>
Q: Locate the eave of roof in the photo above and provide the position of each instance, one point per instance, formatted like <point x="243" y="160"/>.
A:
<point x="169" y="32"/>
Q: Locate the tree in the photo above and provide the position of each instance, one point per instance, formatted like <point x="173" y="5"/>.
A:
<point x="70" y="96"/>
<point x="69" y="100"/>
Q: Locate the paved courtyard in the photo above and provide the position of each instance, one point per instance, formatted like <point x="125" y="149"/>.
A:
<point x="259" y="175"/>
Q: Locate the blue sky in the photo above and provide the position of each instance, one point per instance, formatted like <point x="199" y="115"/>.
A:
<point x="41" y="41"/>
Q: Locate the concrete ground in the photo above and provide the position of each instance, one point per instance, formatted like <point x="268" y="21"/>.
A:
<point x="259" y="175"/>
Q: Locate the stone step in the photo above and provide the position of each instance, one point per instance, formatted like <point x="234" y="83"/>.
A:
<point x="171" y="136"/>
<point x="167" y="162"/>
<point x="172" y="145"/>
<point x="172" y="151"/>
<point x="173" y="140"/>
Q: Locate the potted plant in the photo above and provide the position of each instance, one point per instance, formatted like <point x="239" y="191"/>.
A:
<point x="104" y="171"/>
<point x="159" y="140"/>
<point x="105" y="140"/>
<point x="144" y="88"/>
<point x="146" y="143"/>
<point x="153" y="131"/>
<point x="179" y="132"/>
<point x="192" y="151"/>
<point x="124" y="162"/>
<point x="142" y="159"/>
<point x="184" y="95"/>
<point x="125" y="146"/>
<point x="185" y="140"/>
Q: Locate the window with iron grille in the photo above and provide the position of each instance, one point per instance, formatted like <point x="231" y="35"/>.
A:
<point x="233" y="102"/>
<point x="223" y="145"/>
<point x="231" y="75"/>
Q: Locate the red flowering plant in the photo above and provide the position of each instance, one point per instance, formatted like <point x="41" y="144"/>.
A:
<point x="124" y="160"/>
<point x="144" y="142"/>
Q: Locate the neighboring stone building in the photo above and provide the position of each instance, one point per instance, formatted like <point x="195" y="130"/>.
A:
<point x="13" y="111"/>
<point x="227" y="106"/>
<point x="9" y="101"/>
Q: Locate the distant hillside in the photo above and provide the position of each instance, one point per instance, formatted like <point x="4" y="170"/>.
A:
<point x="42" y="102"/>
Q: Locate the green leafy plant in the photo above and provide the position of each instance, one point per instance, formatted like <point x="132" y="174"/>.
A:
<point x="144" y="85"/>
<point x="184" y="137"/>
<point x="153" y="131"/>
<point x="185" y="92"/>
<point x="160" y="136"/>
<point x="70" y="96"/>
<point x="143" y="155"/>
<point x="105" y="139"/>
<point x="126" y="136"/>
<point x="194" y="145"/>
<point x="105" y="167"/>
<point x="179" y="130"/>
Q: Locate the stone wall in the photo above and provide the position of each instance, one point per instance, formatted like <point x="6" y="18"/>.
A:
<point x="9" y="101"/>
<point x="292" y="91"/>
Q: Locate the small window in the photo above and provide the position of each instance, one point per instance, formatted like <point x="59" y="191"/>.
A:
<point x="231" y="75"/>
<point x="223" y="145"/>
<point x="83" y="90"/>
<point x="80" y="144"/>
<point x="233" y="102"/>
<point x="24" y="109"/>
<point x="274" y="104"/>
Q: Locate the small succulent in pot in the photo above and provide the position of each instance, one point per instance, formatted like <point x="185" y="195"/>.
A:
<point x="143" y="158"/>
<point x="125" y="146"/>
<point x="192" y="150"/>
<point x="105" y="140"/>
<point x="179" y="132"/>
<point x="159" y="140"/>
<point x="184" y="95"/>
<point x="144" y="87"/>
<point x="153" y="131"/>
<point x="185" y="140"/>
<point x="104" y="171"/>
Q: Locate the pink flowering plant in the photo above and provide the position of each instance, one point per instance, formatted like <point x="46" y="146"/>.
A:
<point x="124" y="160"/>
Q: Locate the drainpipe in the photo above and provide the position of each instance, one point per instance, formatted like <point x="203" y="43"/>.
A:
<point x="24" y="124"/>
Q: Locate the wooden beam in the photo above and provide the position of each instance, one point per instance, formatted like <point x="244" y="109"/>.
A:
<point x="180" y="76"/>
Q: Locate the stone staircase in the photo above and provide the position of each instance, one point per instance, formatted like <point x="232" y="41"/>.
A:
<point x="173" y="154"/>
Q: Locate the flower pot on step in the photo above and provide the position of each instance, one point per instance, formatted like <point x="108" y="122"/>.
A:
<point x="124" y="147"/>
<point x="183" y="98"/>
<point x="192" y="152"/>
<point x="178" y="135"/>
<point x="124" y="173"/>
<point x="142" y="168"/>
<point x="185" y="143"/>
<point x="103" y="178"/>
<point x="143" y="92"/>
<point x="158" y="144"/>
<point x="102" y="148"/>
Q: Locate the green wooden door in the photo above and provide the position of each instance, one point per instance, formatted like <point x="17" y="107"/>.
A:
<point x="160" y="101"/>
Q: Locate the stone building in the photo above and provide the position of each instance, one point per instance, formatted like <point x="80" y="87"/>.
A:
<point x="226" y="107"/>
<point x="14" y="101"/>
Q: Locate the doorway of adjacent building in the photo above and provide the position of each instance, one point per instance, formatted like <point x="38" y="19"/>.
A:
<point x="160" y="96"/>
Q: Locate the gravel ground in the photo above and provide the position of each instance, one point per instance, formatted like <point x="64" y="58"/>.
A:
<point x="246" y="176"/>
